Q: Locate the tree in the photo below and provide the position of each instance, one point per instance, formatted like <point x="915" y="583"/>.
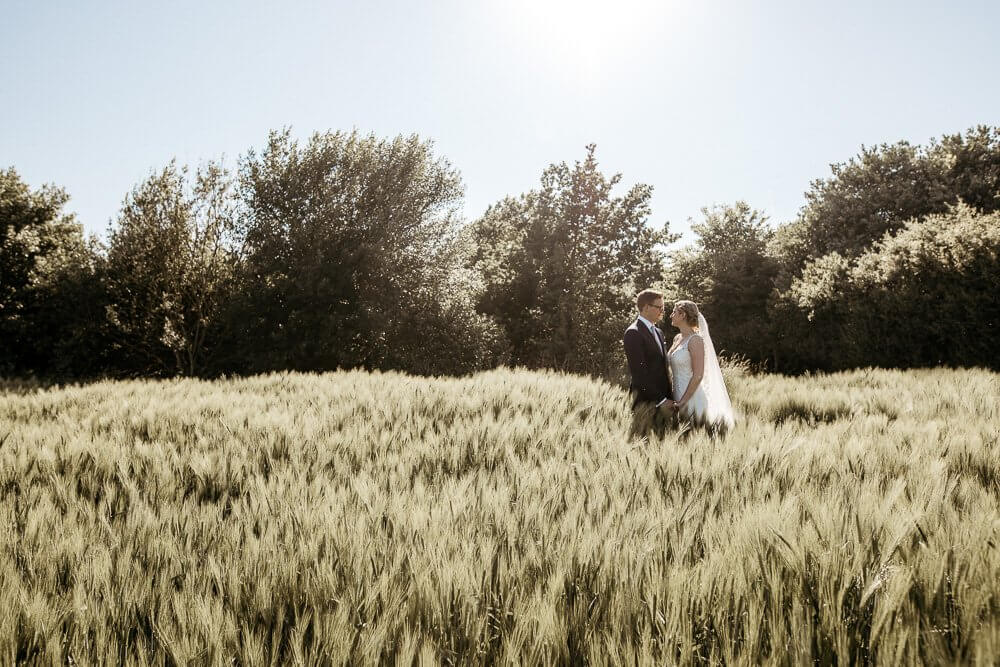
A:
<point x="810" y="326"/>
<point x="342" y="235"/>
<point x="170" y="270"/>
<point x="972" y="167"/>
<point x="48" y="284"/>
<point x="873" y="195"/>
<point x="561" y="266"/>
<point x="921" y="297"/>
<point x="440" y="332"/>
<point x="869" y="195"/>
<point x="884" y="186"/>
<point x="729" y="272"/>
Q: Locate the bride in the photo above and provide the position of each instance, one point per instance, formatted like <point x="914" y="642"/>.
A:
<point x="698" y="387"/>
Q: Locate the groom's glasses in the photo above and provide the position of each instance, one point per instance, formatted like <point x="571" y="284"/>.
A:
<point x="657" y="307"/>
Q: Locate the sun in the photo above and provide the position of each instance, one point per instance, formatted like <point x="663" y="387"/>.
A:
<point x="585" y="38"/>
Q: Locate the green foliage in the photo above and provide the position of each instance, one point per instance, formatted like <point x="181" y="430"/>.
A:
<point x="346" y="251"/>
<point x="438" y="331"/>
<point x="504" y="518"/>
<point x="346" y="240"/>
<point x="730" y="274"/>
<point x="885" y="186"/>
<point x="561" y="266"/>
<point x="823" y="307"/>
<point x="922" y="297"/>
<point x="49" y="294"/>
<point x="872" y="194"/>
<point x="65" y="307"/>
<point x="170" y="270"/>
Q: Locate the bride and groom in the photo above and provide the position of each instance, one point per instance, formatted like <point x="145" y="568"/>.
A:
<point x="694" y="389"/>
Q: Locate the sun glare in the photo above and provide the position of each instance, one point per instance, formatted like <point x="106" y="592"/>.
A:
<point x="585" y="38"/>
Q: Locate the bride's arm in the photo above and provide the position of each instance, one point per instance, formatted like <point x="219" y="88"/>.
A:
<point x="697" y="350"/>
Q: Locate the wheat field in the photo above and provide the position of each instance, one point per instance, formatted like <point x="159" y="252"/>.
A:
<point x="503" y="518"/>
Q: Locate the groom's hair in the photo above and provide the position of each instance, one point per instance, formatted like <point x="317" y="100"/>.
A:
<point x="646" y="297"/>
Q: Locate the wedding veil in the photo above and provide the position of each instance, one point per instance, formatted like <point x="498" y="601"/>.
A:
<point x="719" y="410"/>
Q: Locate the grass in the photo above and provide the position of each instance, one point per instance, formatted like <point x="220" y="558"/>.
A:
<point x="505" y="518"/>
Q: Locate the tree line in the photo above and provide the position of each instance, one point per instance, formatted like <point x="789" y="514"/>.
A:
<point x="348" y="250"/>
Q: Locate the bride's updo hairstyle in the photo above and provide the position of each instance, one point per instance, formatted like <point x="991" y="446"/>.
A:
<point x="690" y="311"/>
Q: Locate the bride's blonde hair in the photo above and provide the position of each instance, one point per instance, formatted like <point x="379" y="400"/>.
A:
<point x="690" y="310"/>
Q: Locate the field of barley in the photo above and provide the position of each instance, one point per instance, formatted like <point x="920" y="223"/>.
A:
<point x="504" y="518"/>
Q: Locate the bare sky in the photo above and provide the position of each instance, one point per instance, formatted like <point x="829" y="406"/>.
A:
<point x="709" y="102"/>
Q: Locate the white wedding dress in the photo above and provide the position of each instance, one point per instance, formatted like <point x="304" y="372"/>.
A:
<point x="710" y="404"/>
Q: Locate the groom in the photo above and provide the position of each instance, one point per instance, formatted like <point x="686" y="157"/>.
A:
<point x="646" y="352"/>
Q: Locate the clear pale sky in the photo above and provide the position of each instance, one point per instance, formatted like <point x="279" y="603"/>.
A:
<point x="707" y="101"/>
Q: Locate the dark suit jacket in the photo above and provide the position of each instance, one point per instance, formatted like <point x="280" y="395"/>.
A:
<point x="647" y="365"/>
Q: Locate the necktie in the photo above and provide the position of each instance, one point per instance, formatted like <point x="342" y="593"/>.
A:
<point x="656" y="335"/>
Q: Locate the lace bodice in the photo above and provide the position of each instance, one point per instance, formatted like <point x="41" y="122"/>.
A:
<point x="680" y="365"/>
